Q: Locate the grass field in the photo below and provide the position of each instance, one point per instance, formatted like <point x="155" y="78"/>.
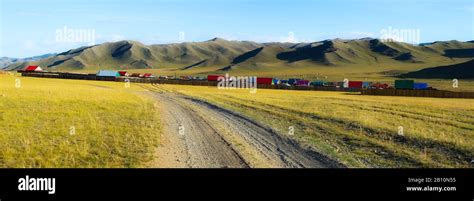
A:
<point x="70" y="123"/>
<point x="360" y="131"/>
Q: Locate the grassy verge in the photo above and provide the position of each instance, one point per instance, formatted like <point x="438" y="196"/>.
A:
<point x="360" y="131"/>
<point x="71" y="123"/>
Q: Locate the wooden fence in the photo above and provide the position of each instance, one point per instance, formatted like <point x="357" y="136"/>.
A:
<point x="79" y="76"/>
<point x="418" y="93"/>
<point x="259" y="86"/>
<point x="377" y="92"/>
<point x="61" y="75"/>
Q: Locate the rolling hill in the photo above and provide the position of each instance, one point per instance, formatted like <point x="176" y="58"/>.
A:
<point x="7" y="61"/>
<point x="365" y="55"/>
<point x="460" y="71"/>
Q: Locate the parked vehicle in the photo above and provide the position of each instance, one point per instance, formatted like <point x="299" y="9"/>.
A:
<point x="420" y="85"/>
<point x="317" y="83"/>
<point x="340" y="84"/>
<point x="264" y="80"/>
<point x="275" y="81"/>
<point x="199" y="78"/>
<point x="404" y="84"/>
<point x="379" y="85"/>
<point x="330" y="84"/>
<point x="293" y="81"/>
<point x="213" y="77"/>
<point x="366" y="85"/>
<point x="356" y="84"/>
<point x="304" y="83"/>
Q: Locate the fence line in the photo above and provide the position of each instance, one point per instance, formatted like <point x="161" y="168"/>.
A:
<point x="259" y="86"/>
<point x="377" y="92"/>
<point x="418" y="93"/>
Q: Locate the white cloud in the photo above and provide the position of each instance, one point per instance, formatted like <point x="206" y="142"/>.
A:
<point x="292" y="38"/>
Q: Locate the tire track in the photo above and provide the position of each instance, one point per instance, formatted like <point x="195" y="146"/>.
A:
<point x="194" y="142"/>
<point x="215" y="137"/>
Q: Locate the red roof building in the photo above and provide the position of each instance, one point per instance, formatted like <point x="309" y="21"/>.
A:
<point x="355" y="84"/>
<point x="213" y="77"/>
<point x="147" y="75"/>
<point x="123" y="73"/>
<point x="33" y="68"/>
<point x="264" y="80"/>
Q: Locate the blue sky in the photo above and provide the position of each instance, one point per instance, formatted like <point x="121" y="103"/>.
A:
<point x="32" y="27"/>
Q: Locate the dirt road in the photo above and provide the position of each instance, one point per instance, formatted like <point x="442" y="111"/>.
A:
<point x="198" y="134"/>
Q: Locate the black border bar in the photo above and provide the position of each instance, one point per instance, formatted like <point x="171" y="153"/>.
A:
<point x="351" y="184"/>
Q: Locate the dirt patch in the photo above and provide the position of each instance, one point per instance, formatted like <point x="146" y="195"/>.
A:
<point x="198" y="134"/>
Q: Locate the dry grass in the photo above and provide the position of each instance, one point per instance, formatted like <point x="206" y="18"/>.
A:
<point x="70" y="123"/>
<point x="360" y="131"/>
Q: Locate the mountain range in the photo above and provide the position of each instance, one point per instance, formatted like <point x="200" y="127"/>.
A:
<point x="6" y="61"/>
<point x="219" y="55"/>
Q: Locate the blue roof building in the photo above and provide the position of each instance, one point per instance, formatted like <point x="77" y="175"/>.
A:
<point x="108" y="73"/>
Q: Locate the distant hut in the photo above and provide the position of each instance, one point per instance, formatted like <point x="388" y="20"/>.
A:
<point x="147" y="75"/>
<point x="108" y="73"/>
<point x="264" y="80"/>
<point x="123" y="73"/>
<point x="302" y="83"/>
<point x="33" y="69"/>
<point x="275" y="81"/>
